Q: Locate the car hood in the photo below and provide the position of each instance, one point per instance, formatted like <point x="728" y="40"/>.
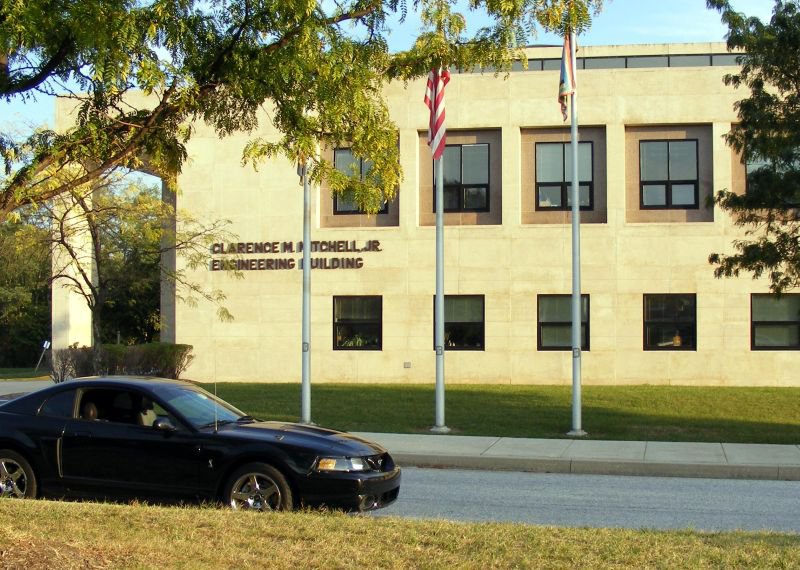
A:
<point x="321" y="440"/>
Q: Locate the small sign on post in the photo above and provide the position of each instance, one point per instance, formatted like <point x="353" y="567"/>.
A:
<point x="45" y="347"/>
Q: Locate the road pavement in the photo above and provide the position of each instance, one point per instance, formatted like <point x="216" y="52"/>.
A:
<point x="597" y="501"/>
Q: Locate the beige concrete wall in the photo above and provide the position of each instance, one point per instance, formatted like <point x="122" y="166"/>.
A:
<point x="510" y="260"/>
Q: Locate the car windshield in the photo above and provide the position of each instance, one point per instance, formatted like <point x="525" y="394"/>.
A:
<point x="200" y="408"/>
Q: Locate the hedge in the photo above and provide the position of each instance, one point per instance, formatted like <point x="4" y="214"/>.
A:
<point x="153" y="359"/>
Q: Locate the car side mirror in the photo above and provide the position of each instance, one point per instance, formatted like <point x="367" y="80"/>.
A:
<point x="164" y="424"/>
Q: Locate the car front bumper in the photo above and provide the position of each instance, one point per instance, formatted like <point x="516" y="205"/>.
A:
<point x="351" y="491"/>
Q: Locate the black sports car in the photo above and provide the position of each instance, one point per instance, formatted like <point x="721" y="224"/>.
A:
<point x="167" y="440"/>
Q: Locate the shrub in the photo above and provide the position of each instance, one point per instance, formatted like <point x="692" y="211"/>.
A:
<point x="153" y="359"/>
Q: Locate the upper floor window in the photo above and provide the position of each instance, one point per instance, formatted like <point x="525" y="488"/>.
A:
<point x="554" y="175"/>
<point x="346" y="163"/>
<point x="463" y="322"/>
<point x="466" y="178"/>
<point x="764" y="175"/>
<point x="668" y="176"/>
<point x="357" y="322"/>
<point x="775" y="322"/>
<point x="670" y="322"/>
<point x="555" y="322"/>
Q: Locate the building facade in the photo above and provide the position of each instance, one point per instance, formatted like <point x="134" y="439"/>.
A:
<point x="651" y="155"/>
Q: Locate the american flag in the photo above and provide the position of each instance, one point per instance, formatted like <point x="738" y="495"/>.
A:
<point x="434" y="99"/>
<point x="566" y="85"/>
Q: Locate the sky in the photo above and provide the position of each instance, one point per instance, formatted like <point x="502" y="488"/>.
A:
<point x="620" y="22"/>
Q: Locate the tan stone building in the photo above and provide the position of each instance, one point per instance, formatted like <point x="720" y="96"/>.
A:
<point x="652" y="118"/>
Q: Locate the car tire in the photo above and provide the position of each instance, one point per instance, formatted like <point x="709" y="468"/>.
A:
<point x="17" y="479"/>
<point x="258" y="487"/>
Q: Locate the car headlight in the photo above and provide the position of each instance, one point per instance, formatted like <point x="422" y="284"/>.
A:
<point x="341" y="464"/>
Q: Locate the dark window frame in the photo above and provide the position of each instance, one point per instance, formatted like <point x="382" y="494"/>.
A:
<point x="482" y="346"/>
<point x="540" y="325"/>
<point x="461" y="188"/>
<point x="669" y="183"/>
<point x="358" y="211"/>
<point x="673" y="322"/>
<point x="356" y="322"/>
<point x="565" y="185"/>
<point x="754" y="324"/>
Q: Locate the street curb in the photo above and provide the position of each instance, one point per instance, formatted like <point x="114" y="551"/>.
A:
<point x="600" y="467"/>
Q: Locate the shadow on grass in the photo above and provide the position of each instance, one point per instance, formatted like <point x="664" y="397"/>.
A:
<point x="635" y="413"/>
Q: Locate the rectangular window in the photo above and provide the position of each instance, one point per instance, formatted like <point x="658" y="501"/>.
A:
<point x="725" y="59"/>
<point x="554" y="176"/>
<point x="647" y="61"/>
<point x="555" y="322"/>
<point x="346" y="163"/>
<point x="604" y="62"/>
<point x="775" y="322"/>
<point x="689" y="60"/>
<point x="764" y="175"/>
<point x="357" y="322"/>
<point x="670" y="322"/>
<point x="463" y="322"/>
<point x="466" y="178"/>
<point x="668" y="174"/>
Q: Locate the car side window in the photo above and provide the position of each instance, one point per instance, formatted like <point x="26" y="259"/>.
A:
<point x="59" y="405"/>
<point x="152" y="411"/>
<point x="122" y="407"/>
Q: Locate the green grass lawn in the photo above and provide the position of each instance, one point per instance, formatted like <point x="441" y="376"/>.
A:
<point x="652" y="413"/>
<point x="47" y="534"/>
<point x="23" y="374"/>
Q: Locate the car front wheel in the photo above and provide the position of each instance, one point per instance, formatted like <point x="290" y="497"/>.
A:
<point x="258" y="487"/>
<point x="17" y="479"/>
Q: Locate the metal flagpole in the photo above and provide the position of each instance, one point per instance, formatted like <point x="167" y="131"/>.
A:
<point x="440" y="426"/>
<point x="437" y="136"/>
<point x="576" y="257"/>
<point x="305" y="388"/>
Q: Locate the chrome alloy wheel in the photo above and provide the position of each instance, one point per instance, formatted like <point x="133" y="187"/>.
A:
<point x="255" y="491"/>
<point x="13" y="480"/>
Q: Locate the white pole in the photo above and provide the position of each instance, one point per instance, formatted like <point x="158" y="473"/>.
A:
<point x="577" y="430"/>
<point x="438" y="340"/>
<point x="305" y="388"/>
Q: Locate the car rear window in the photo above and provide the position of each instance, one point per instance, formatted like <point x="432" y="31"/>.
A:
<point x="59" y="405"/>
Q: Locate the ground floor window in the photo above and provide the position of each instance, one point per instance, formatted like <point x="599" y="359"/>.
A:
<point x="357" y="322"/>
<point x="775" y="322"/>
<point x="670" y="322"/>
<point x="555" y="322"/>
<point x="463" y="322"/>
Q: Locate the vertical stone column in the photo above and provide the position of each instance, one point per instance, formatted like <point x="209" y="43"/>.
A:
<point x="169" y="264"/>
<point x="70" y="313"/>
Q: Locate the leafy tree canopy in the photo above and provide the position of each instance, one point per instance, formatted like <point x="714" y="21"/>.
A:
<point x="768" y="137"/>
<point x="316" y="67"/>
<point x="24" y="292"/>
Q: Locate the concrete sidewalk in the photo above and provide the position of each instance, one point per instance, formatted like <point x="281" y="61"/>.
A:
<point x="650" y="458"/>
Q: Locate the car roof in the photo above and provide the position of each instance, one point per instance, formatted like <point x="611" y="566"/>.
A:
<point x="141" y="381"/>
<point x="29" y="403"/>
